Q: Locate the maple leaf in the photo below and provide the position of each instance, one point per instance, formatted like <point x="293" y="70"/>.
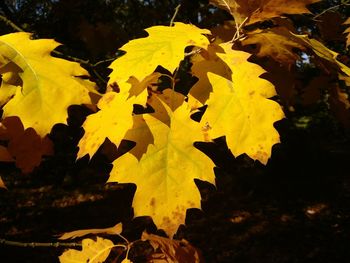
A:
<point x="324" y="53"/>
<point x="277" y="43"/>
<point x="239" y="109"/>
<point x="170" y="250"/>
<point x="25" y="146"/>
<point x="260" y="10"/>
<point x="165" y="46"/>
<point x="112" y="121"/>
<point x="165" y="173"/>
<point x="92" y="252"/>
<point x="45" y="79"/>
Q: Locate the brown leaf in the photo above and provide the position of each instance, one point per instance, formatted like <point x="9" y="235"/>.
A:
<point x="25" y="146"/>
<point x="260" y="10"/>
<point x="277" y="43"/>
<point x="5" y="156"/>
<point x="340" y="105"/>
<point x="171" y="251"/>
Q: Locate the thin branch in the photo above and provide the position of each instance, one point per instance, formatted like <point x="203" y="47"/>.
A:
<point x="238" y="35"/>
<point x="175" y="14"/>
<point x="103" y="61"/>
<point x="38" y="244"/>
<point x="330" y="9"/>
<point x="11" y="24"/>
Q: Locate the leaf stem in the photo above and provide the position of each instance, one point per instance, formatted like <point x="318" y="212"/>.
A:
<point x="174" y="15"/>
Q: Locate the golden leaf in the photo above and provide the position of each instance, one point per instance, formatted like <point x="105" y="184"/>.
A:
<point x="92" y="252"/>
<point x="165" y="173"/>
<point x="165" y="46"/>
<point x="50" y="84"/>
<point x="112" y="122"/>
<point x="239" y="109"/>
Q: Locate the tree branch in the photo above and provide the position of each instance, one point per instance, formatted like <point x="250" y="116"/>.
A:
<point x="38" y="244"/>
<point x="11" y="24"/>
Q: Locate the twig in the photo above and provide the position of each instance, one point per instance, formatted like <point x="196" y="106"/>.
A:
<point x="104" y="61"/>
<point x="175" y="14"/>
<point x="330" y="9"/>
<point x="38" y="244"/>
<point x="11" y="24"/>
<point x="238" y="35"/>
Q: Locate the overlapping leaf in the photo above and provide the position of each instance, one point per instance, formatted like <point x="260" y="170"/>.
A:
<point x="325" y="53"/>
<point x="260" y="10"/>
<point x="170" y="250"/>
<point x="207" y="61"/>
<point x="92" y="252"/>
<point x="25" y="147"/>
<point x="112" y="121"/>
<point x="49" y="85"/>
<point x="277" y="43"/>
<point x="165" y="46"/>
<point x="165" y="173"/>
<point x="239" y="109"/>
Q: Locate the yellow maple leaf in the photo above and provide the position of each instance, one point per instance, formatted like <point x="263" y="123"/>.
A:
<point x="239" y="109"/>
<point x="92" y="252"/>
<point x="112" y="121"/>
<point x="165" y="173"/>
<point x="50" y="84"/>
<point x="260" y="10"/>
<point x="277" y="43"/>
<point x="165" y="46"/>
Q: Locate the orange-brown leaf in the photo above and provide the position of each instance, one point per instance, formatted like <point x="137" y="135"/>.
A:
<point x="277" y="43"/>
<point x="25" y="146"/>
<point x="260" y="10"/>
<point x="171" y="251"/>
